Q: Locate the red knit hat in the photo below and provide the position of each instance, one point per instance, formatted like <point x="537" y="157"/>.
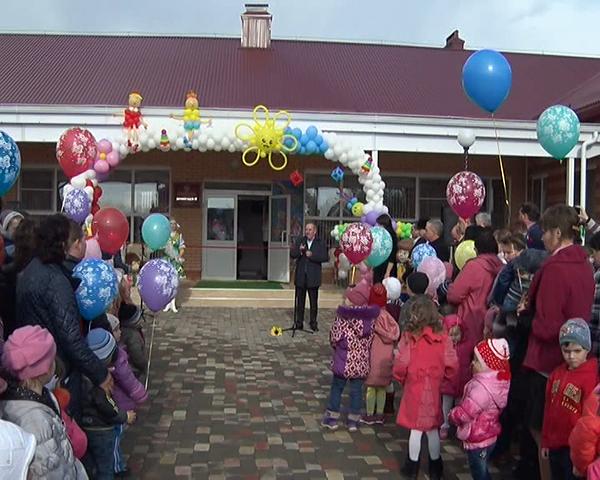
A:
<point x="378" y="295"/>
<point x="493" y="354"/>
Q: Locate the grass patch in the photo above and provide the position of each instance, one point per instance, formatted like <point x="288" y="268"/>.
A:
<point x="250" y="284"/>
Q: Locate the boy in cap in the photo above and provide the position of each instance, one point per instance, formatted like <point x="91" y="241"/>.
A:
<point x="567" y="389"/>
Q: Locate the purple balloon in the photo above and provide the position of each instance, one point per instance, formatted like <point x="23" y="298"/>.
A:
<point x="77" y="205"/>
<point x="371" y="218"/>
<point x="363" y="219"/>
<point x="158" y="283"/>
<point x="394" y="225"/>
<point x="102" y="177"/>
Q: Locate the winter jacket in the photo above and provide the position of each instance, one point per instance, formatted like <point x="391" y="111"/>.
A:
<point x="503" y="282"/>
<point x="478" y="414"/>
<point x="132" y="339"/>
<point x="40" y="416"/>
<point x="386" y="335"/>
<point x="128" y="392"/>
<point x="450" y="386"/>
<point x="442" y="250"/>
<point x="100" y="412"/>
<point x="470" y="292"/>
<point x="563" y="288"/>
<point x="308" y="269"/>
<point x="422" y="363"/>
<point x="394" y="307"/>
<point x="584" y="441"/>
<point x="595" y="319"/>
<point x="534" y="237"/>
<point x="350" y="336"/>
<point x="45" y="297"/>
<point x="566" y="392"/>
<point x="76" y="435"/>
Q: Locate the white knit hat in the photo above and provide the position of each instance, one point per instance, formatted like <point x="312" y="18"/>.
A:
<point x="16" y="451"/>
<point x="393" y="288"/>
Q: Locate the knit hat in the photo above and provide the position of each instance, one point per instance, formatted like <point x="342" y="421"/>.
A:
<point x="102" y="343"/>
<point x="130" y="315"/>
<point x="114" y="321"/>
<point x="29" y="352"/>
<point x="359" y="294"/>
<point x="417" y="282"/>
<point x="17" y="448"/>
<point x="576" y="330"/>
<point x="378" y="295"/>
<point x="493" y="354"/>
<point x="6" y="217"/>
<point x="393" y="287"/>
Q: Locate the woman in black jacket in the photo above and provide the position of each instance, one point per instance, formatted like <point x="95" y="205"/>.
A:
<point x="389" y="267"/>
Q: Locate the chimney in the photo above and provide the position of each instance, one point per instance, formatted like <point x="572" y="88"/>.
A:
<point x="256" y="26"/>
<point x="454" y="42"/>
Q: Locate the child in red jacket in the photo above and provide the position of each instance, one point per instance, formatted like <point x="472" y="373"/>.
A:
<point x="584" y="441"/>
<point x="568" y="387"/>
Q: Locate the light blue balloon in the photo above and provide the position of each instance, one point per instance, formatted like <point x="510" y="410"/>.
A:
<point x="311" y="147"/>
<point x="381" y="248"/>
<point x="487" y="79"/>
<point x="323" y="147"/>
<point x="304" y="139"/>
<point x="558" y="130"/>
<point x="297" y="133"/>
<point x="288" y="142"/>
<point x="312" y="132"/>
<point x="319" y="139"/>
<point x="156" y="230"/>
<point x="302" y="150"/>
<point x="98" y="287"/>
<point x="10" y="162"/>
<point x="420" y="252"/>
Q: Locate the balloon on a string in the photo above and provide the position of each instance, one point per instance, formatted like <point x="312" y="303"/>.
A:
<point x="111" y="228"/>
<point x="98" y="287"/>
<point x="76" y="151"/>
<point x="10" y="162"/>
<point x="420" y="252"/>
<point x="465" y="193"/>
<point x="158" y="283"/>
<point x="435" y="270"/>
<point x="156" y="231"/>
<point x="464" y="252"/>
<point x="356" y="242"/>
<point x="558" y="130"/>
<point x="487" y="79"/>
<point x="381" y="248"/>
<point x="77" y="205"/>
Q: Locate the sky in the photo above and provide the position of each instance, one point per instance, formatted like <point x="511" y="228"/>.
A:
<point x="549" y="26"/>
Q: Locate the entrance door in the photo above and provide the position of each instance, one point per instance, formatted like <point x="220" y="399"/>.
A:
<point x="279" y="247"/>
<point x="220" y="243"/>
<point x="252" y="236"/>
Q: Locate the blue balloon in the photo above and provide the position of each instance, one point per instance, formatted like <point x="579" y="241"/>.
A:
<point x="319" y="139"/>
<point x="311" y="147"/>
<point x="312" y="131"/>
<point x="486" y="79"/>
<point x="156" y="231"/>
<point x="558" y="130"/>
<point x="288" y="142"/>
<point x="10" y="162"/>
<point x="420" y="252"/>
<point x="77" y="205"/>
<point x="288" y="130"/>
<point x="323" y="147"/>
<point x="381" y="248"/>
<point x="98" y="287"/>
<point x="304" y="139"/>
<point x="296" y="132"/>
<point x="302" y="150"/>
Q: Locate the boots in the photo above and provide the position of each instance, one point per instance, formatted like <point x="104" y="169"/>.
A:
<point x="173" y="306"/>
<point x="436" y="469"/>
<point x="389" y="403"/>
<point x="410" y="470"/>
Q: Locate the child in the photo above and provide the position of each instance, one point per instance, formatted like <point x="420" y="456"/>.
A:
<point x="416" y="284"/>
<point x="452" y="327"/>
<point x="381" y="357"/>
<point x="29" y="355"/>
<point x="350" y="337"/>
<point x="132" y="337"/>
<point x="128" y="392"/>
<point x="567" y="388"/>
<point x="478" y="414"/>
<point x="100" y="413"/>
<point x="76" y="435"/>
<point x="425" y="358"/>
<point x="393" y="287"/>
<point x="403" y="258"/>
<point x="17" y="447"/>
<point x="584" y="441"/>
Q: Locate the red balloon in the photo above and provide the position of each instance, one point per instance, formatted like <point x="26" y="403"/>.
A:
<point x="356" y="242"/>
<point x="465" y="193"/>
<point x="76" y="151"/>
<point x="112" y="229"/>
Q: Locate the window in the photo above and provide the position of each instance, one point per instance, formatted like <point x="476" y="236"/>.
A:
<point x="432" y="197"/>
<point x="36" y="190"/>
<point x="537" y="192"/>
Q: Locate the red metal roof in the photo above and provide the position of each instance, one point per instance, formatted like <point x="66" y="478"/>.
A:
<point x="296" y="75"/>
<point x="585" y="99"/>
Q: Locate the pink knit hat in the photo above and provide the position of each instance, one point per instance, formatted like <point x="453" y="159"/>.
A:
<point x="359" y="295"/>
<point x="29" y="352"/>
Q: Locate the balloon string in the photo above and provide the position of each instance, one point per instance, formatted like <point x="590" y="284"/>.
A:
<point x="466" y="158"/>
<point x="501" y="163"/>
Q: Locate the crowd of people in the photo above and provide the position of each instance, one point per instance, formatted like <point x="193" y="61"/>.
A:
<point x="502" y="354"/>
<point x="69" y="389"/>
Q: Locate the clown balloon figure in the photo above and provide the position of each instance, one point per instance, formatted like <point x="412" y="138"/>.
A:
<point x="133" y="120"/>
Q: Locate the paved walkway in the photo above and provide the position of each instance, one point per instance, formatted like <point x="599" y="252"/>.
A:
<point x="228" y="401"/>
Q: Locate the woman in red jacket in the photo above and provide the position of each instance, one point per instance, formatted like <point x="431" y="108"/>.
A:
<point x="563" y="288"/>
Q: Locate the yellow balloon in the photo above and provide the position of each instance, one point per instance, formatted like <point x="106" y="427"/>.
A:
<point x="464" y="252"/>
<point x="357" y="209"/>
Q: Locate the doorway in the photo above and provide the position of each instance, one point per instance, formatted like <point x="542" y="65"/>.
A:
<point x="252" y="237"/>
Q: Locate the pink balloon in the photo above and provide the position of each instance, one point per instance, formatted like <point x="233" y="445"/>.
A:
<point x="113" y="158"/>
<point x="92" y="248"/>
<point x="356" y="242"/>
<point x="101" y="166"/>
<point x="435" y="270"/>
<point x="465" y="193"/>
<point x="104" y="146"/>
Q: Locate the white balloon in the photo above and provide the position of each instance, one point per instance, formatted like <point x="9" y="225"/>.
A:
<point x="225" y="142"/>
<point x="342" y="274"/>
<point x="202" y="139"/>
<point x="343" y="159"/>
<point x="145" y="147"/>
<point x="367" y="208"/>
<point x="180" y="131"/>
<point x="210" y="143"/>
<point x="382" y="185"/>
<point x="338" y="150"/>
<point x="329" y="154"/>
<point x="179" y="143"/>
<point x="151" y="143"/>
<point x="218" y="147"/>
<point x="123" y="151"/>
<point x="386" y="210"/>
<point x="466" y="138"/>
<point x="143" y="138"/>
<point x="231" y="148"/>
<point x="78" y="182"/>
<point x="195" y="144"/>
<point x="202" y="148"/>
<point x="89" y="192"/>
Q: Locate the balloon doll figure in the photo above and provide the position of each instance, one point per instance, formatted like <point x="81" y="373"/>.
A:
<point x="133" y="120"/>
<point x="191" y="117"/>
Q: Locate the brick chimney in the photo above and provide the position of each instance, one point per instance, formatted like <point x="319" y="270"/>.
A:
<point x="256" y="26"/>
<point x="454" y="42"/>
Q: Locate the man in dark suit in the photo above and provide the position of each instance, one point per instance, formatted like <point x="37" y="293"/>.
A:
<point x="434" y="235"/>
<point x="310" y="252"/>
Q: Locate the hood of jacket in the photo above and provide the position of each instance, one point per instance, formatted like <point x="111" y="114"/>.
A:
<point x="497" y="388"/>
<point x="386" y="327"/>
<point x="351" y="314"/>
<point x="570" y="254"/>
<point x="489" y="262"/>
<point x="530" y="260"/>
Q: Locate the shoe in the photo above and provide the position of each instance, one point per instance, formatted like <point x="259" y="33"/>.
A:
<point x="369" y="419"/>
<point x="298" y="326"/>
<point x="410" y="469"/>
<point x="353" y="422"/>
<point x="436" y="469"/>
<point x="379" y="419"/>
<point x="330" y="420"/>
<point x="174" y="307"/>
<point x="314" y="326"/>
<point x="167" y="307"/>
<point x="444" y="429"/>
<point x="389" y="404"/>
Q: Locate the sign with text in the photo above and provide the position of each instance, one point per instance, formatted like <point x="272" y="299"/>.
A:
<point x="187" y="195"/>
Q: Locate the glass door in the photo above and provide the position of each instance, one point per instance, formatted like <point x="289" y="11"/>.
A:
<point x="219" y="248"/>
<point x="279" y="247"/>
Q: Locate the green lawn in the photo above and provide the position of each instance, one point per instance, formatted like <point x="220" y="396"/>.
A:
<point x="261" y="285"/>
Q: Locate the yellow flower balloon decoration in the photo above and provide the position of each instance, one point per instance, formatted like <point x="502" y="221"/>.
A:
<point x="266" y="137"/>
<point x="276" y="331"/>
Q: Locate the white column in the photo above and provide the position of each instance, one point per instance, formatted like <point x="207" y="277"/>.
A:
<point x="570" y="181"/>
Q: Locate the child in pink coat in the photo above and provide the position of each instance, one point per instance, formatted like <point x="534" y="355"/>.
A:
<point x="425" y="358"/>
<point x="382" y="357"/>
<point x="450" y="388"/>
<point x="486" y="394"/>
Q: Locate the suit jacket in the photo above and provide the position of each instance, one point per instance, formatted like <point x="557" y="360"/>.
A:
<point x="308" y="269"/>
